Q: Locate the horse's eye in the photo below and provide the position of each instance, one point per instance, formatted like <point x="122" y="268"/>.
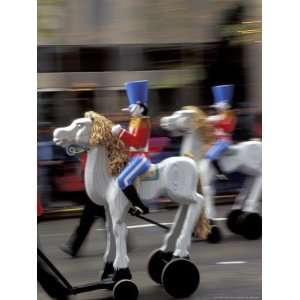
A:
<point x="79" y="125"/>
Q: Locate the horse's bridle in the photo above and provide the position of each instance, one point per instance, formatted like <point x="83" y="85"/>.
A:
<point x="76" y="149"/>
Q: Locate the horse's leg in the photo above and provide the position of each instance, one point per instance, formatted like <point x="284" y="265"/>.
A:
<point x="184" y="241"/>
<point x="250" y="221"/>
<point x="110" y="252"/>
<point x="118" y="208"/>
<point x="244" y="193"/>
<point x="207" y="174"/>
<point x="171" y="237"/>
<point x="252" y="201"/>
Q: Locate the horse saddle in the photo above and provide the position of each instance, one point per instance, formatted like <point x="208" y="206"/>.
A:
<point x="151" y="175"/>
<point x="230" y="152"/>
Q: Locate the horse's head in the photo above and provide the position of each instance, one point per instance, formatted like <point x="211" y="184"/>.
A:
<point x="180" y="122"/>
<point x="77" y="133"/>
<point x="188" y="119"/>
<point x="93" y="130"/>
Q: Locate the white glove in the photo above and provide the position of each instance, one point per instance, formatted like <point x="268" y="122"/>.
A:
<point x="116" y="129"/>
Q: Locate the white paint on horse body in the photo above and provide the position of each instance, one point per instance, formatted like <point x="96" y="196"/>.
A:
<point x="177" y="179"/>
<point x="245" y="159"/>
<point x="191" y="144"/>
<point x="95" y="175"/>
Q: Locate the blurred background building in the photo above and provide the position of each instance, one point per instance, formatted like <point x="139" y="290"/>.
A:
<point x="88" y="49"/>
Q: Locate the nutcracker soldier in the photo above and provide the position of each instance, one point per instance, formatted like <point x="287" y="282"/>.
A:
<point x="137" y="139"/>
<point x="224" y="123"/>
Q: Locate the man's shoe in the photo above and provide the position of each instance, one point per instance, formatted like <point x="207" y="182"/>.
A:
<point x="68" y="250"/>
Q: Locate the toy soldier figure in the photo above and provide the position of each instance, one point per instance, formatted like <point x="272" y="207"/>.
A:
<point x="137" y="139"/>
<point x="224" y="123"/>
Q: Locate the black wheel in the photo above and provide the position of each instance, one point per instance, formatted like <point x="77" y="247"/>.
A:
<point x="125" y="290"/>
<point x="157" y="262"/>
<point x="251" y="225"/>
<point x="180" y="278"/>
<point x="232" y="221"/>
<point x="215" y="235"/>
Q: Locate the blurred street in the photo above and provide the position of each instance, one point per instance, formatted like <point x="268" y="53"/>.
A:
<point x="228" y="270"/>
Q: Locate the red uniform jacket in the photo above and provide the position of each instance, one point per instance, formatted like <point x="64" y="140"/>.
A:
<point x="138" y="135"/>
<point x="224" y="125"/>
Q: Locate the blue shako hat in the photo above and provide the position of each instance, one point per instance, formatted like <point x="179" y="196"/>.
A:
<point x="137" y="91"/>
<point x="223" y="94"/>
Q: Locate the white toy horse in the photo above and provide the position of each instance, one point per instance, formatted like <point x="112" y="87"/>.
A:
<point x="175" y="178"/>
<point x="245" y="157"/>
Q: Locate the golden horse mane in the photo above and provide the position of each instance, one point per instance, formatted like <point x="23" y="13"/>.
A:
<point x="206" y="130"/>
<point x="117" y="152"/>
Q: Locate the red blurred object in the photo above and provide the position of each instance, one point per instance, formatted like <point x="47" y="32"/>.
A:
<point x="40" y="209"/>
<point x="157" y="144"/>
<point x="83" y="158"/>
<point x="69" y="176"/>
<point x="258" y="129"/>
<point x="69" y="183"/>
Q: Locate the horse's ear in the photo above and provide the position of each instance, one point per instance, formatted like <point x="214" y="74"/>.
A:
<point x="89" y="114"/>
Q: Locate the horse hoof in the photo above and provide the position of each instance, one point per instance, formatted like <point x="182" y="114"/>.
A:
<point x="158" y="260"/>
<point x="178" y="257"/>
<point x="251" y="225"/>
<point x="108" y="271"/>
<point x="125" y="290"/>
<point x="180" y="278"/>
<point x="232" y="219"/>
<point x="121" y="274"/>
<point x="215" y="235"/>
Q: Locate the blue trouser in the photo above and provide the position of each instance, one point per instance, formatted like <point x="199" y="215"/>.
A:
<point x="136" y="166"/>
<point x="217" y="149"/>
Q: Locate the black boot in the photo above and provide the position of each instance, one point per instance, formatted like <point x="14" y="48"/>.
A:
<point x="132" y="195"/>
<point x="108" y="271"/>
<point x="67" y="248"/>
<point x="185" y="257"/>
<point x="220" y="173"/>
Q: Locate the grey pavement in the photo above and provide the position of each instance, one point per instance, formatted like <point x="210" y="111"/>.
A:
<point x="228" y="270"/>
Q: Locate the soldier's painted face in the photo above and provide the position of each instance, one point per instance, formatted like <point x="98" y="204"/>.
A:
<point x="136" y="110"/>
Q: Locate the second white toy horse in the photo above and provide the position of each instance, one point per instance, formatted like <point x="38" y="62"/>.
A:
<point x="245" y="157"/>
